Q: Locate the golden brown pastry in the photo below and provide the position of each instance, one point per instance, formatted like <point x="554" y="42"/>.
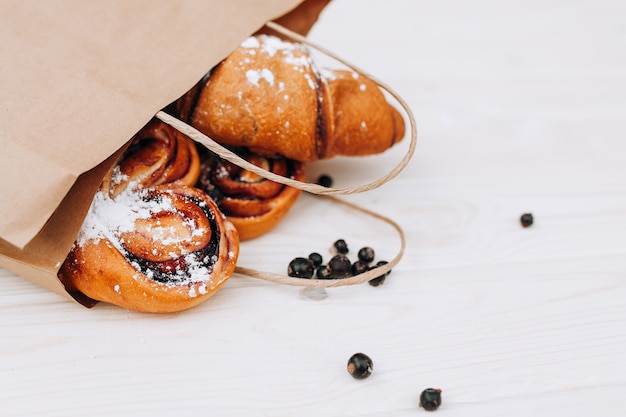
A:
<point x="158" y="154"/>
<point x="252" y="203"/>
<point x="269" y="96"/>
<point x="173" y="250"/>
<point x="150" y="242"/>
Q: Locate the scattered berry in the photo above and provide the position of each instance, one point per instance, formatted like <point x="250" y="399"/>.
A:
<point x="340" y="266"/>
<point x="380" y="280"/>
<point x="300" y="268"/>
<point x="316" y="258"/>
<point x="341" y="246"/>
<point x="360" y="366"/>
<point x="381" y="263"/>
<point x="366" y="254"/>
<point x="430" y="399"/>
<point x="325" y="181"/>
<point x="323" y="272"/>
<point x="375" y="282"/>
<point x="526" y="219"/>
<point x="359" y="267"/>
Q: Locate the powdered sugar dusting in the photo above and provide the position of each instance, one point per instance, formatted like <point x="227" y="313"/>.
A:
<point x="328" y="74"/>
<point x="254" y="76"/>
<point x="251" y="42"/>
<point x="310" y="81"/>
<point x="117" y="177"/>
<point x="270" y="45"/>
<point x="298" y="61"/>
<point x="110" y="217"/>
<point x="196" y="268"/>
<point x="295" y="54"/>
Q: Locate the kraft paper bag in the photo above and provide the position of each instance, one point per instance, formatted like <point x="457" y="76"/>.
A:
<point x="78" y="79"/>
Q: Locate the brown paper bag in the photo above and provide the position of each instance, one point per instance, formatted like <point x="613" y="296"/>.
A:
<point x="78" y="80"/>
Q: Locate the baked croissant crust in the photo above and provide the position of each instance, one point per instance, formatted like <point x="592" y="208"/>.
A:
<point x="253" y="204"/>
<point x="269" y="96"/>
<point x="151" y="245"/>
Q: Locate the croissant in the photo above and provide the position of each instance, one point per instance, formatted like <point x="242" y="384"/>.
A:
<point x="151" y="242"/>
<point x="269" y="96"/>
<point x="253" y="204"/>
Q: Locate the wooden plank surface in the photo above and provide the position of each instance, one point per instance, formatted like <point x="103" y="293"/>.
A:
<point x="520" y="108"/>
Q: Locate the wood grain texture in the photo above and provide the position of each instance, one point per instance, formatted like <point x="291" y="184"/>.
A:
<point x="521" y="108"/>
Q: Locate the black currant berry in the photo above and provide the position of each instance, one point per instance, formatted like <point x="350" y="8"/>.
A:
<point x="380" y="280"/>
<point x="316" y="258"/>
<point x="340" y="266"/>
<point x="430" y="399"/>
<point x="341" y="246"/>
<point x="360" y="366"/>
<point x="366" y="254"/>
<point x="381" y="263"/>
<point x="375" y="282"/>
<point x="359" y="267"/>
<point x="300" y="268"/>
<point x="527" y="219"/>
<point x="325" y="180"/>
<point x="323" y="272"/>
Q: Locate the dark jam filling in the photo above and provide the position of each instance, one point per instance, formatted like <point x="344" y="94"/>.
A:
<point x="175" y="270"/>
<point x="320" y="122"/>
<point x="209" y="164"/>
<point x="135" y="146"/>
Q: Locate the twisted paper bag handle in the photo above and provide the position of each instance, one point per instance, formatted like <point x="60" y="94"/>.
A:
<point x="326" y="192"/>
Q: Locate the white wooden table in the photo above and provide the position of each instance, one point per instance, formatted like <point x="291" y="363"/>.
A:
<point x="521" y="107"/>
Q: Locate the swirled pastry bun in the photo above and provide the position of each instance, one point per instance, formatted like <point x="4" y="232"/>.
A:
<point x="255" y="205"/>
<point x="158" y="154"/>
<point x="161" y="249"/>
<point x="151" y="242"/>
